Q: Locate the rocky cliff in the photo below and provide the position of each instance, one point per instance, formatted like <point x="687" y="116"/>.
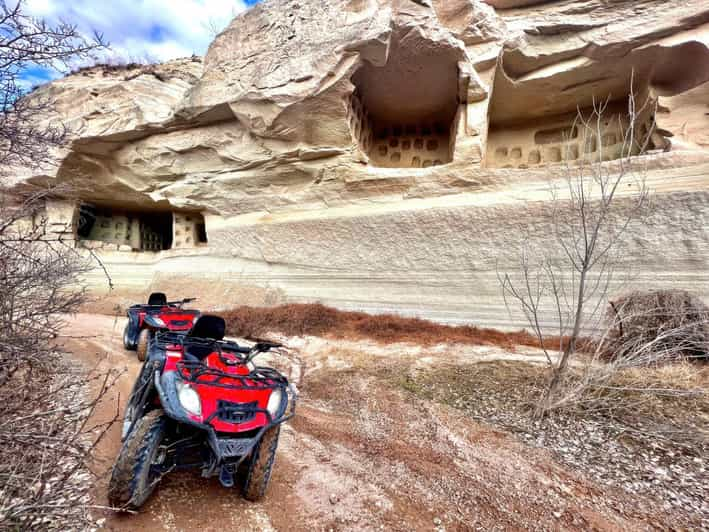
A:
<point x="385" y="154"/>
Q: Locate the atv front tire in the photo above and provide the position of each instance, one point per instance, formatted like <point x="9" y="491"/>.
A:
<point x="142" y="345"/>
<point x="260" y="465"/>
<point x="132" y="479"/>
<point x="130" y="346"/>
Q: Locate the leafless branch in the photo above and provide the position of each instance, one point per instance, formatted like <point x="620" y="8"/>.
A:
<point x="573" y="272"/>
<point x="26" y="42"/>
<point x="45" y="437"/>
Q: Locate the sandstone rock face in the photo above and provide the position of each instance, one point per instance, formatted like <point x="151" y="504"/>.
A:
<point x="107" y="102"/>
<point x="387" y="154"/>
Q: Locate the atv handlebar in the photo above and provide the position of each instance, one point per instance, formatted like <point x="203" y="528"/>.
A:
<point x="252" y="352"/>
<point x="168" y="304"/>
<point x="265" y="345"/>
<point x="260" y="347"/>
<point x="181" y="302"/>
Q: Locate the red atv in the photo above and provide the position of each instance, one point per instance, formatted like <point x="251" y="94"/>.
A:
<point x="158" y="314"/>
<point x="200" y="401"/>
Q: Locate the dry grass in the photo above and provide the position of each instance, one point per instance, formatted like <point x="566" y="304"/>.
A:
<point x="319" y="320"/>
<point x="679" y="376"/>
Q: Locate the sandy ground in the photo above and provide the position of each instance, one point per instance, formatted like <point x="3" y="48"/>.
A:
<point x="364" y="454"/>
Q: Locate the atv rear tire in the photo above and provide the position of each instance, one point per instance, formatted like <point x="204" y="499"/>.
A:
<point x="260" y="465"/>
<point x="130" y="346"/>
<point x="131" y="480"/>
<point x="143" y="344"/>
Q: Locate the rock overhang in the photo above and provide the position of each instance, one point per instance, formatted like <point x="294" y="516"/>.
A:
<point x="283" y="74"/>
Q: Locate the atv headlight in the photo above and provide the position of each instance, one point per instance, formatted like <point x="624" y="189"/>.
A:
<point x="274" y="402"/>
<point x="159" y="321"/>
<point x="189" y="398"/>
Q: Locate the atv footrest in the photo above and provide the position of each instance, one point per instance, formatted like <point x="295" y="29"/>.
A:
<point x="234" y="447"/>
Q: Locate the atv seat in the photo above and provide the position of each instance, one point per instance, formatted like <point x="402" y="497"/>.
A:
<point x="157" y="299"/>
<point x="206" y="327"/>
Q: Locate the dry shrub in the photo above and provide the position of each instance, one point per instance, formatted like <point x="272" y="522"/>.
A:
<point x="681" y="376"/>
<point x="46" y="440"/>
<point x="643" y="354"/>
<point x="661" y="325"/>
<point x="44" y="430"/>
<point x="319" y="320"/>
<point x="106" y="66"/>
<point x="45" y="434"/>
<point x="291" y="320"/>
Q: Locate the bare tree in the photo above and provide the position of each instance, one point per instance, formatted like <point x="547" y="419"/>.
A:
<point x="26" y="41"/>
<point x="45" y="433"/>
<point x="214" y="26"/>
<point x="567" y="279"/>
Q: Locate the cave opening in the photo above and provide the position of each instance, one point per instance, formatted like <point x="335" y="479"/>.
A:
<point x="539" y="120"/>
<point x="572" y="138"/>
<point x="404" y="114"/>
<point x="105" y="227"/>
<point x="155" y="231"/>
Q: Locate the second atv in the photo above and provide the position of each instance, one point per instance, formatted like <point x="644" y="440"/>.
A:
<point x="158" y="314"/>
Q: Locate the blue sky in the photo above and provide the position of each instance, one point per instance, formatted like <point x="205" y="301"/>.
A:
<point x="139" y="30"/>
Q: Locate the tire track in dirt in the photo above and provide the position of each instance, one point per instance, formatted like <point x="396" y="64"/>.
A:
<point x="361" y="454"/>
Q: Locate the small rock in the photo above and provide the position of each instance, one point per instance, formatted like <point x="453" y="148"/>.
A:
<point x="334" y="499"/>
<point x="557" y="514"/>
<point x="437" y="521"/>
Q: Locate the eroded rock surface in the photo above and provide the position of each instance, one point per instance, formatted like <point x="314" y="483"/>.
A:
<point x="386" y="154"/>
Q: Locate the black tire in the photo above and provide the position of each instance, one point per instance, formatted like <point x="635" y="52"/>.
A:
<point x="260" y="465"/>
<point x="130" y="346"/>
<point x="132" y="481"/>
<point x="142" y="345"/>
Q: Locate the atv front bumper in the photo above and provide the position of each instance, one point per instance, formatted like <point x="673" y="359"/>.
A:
<point x="225" y="448"/>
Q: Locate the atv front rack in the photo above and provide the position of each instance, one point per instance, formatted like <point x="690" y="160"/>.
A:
<point x="259" y="378"/>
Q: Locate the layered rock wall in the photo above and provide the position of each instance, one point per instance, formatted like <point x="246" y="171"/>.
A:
<point x="393" y="154"/>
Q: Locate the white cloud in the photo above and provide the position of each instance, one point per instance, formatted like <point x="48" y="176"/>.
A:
<point x="145" y="30"/>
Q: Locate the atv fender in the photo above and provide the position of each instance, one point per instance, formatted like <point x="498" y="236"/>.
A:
<point x="142" y="395"/>
<point x="133" y="328"/>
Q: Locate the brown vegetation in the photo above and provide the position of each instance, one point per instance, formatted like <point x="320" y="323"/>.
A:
<point x="668" y="324"/>
<point x="319" y="320"/>
<point x="113" y="65"/>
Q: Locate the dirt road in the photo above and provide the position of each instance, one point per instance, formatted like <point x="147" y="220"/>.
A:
<point x="364" y="454"/>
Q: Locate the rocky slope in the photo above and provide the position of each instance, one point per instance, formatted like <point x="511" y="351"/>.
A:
<point x="387" y="154"/>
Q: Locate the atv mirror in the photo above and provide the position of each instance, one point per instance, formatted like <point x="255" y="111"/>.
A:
<point x="189" y="299"/>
